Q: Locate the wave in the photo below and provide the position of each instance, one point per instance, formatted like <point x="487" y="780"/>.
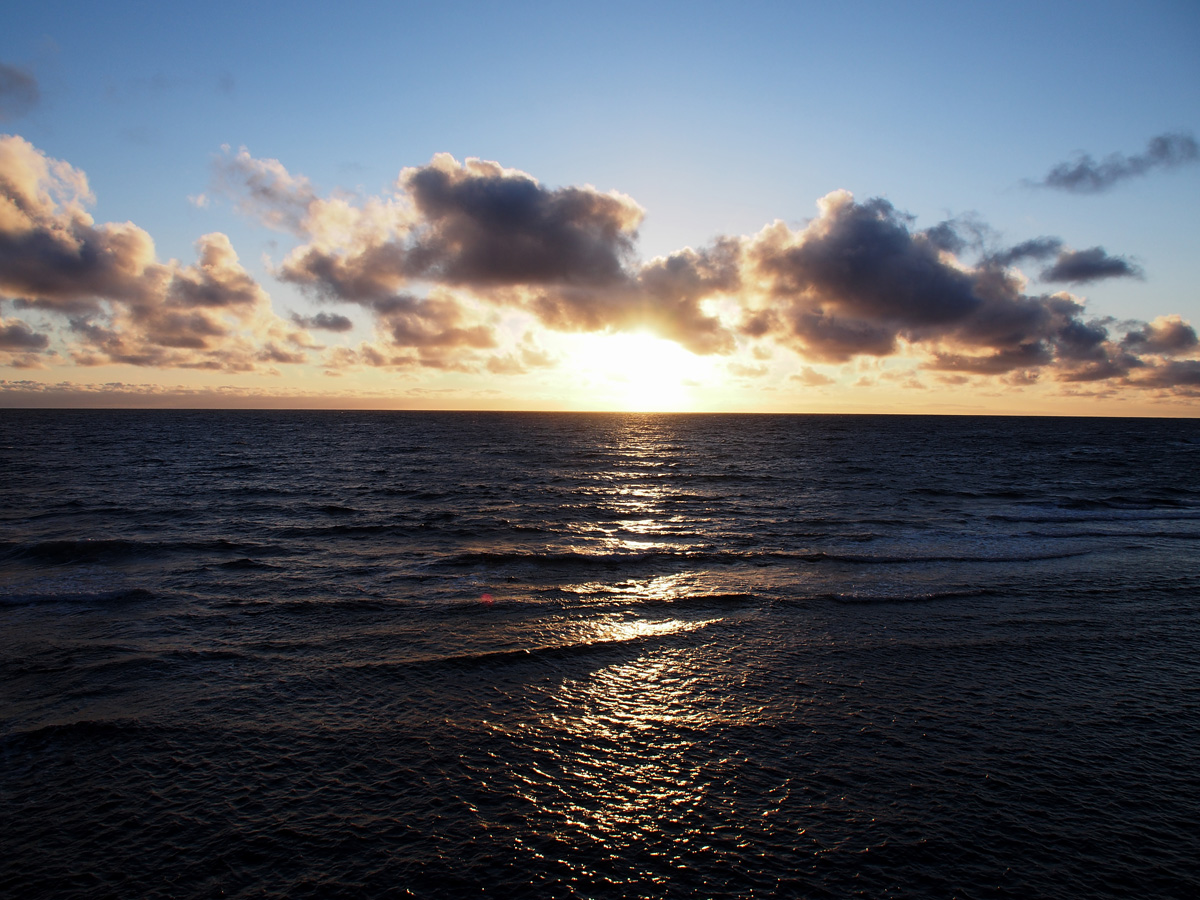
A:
<point x="641" y="635"/>
<point x="88" y="550"/>
<point x="36" y="595"/>
<point x="615" y="559"/>
<point x="873" y="598"/>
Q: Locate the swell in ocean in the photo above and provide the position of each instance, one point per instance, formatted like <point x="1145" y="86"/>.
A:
<point x="289" y="654"/>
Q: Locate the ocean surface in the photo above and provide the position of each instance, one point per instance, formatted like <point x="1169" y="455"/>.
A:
<point x="313" y="654"/>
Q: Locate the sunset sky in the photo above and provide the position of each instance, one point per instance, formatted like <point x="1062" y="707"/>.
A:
<point x="792" y="207"/>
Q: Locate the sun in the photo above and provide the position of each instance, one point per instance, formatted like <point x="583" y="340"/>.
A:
<point x="636" y="373"/>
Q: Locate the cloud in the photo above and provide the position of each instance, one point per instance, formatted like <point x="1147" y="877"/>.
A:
<point x="528" y="356"/>
<point x="854" y="280"/>
<point x="16" y="336"/>
<point x="811" y="377"/>
<point x="453" y="248"/>
<point x="1179" y="373"/>
<point x="665" y="296"/>
<point x="1086" y="176"/>
<point x="1035" y="248"/>
<point x="18" y="91"/>
<point x="860" y="281"/>
<point x="265" y="190"/>
<point x="121" y="304"/>
<point x="1082" y="266"/>
<point x="474" y="224"/>
<point x="484" y="224"/>
<point x="566" y="254"/>
<point x="1167" y="335"/>
<point x="324" y="321"/>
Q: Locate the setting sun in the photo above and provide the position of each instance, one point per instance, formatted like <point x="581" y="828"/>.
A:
<point x="637" y="373"/>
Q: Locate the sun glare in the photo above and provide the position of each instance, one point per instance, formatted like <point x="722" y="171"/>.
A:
<point x="637" y="373"/>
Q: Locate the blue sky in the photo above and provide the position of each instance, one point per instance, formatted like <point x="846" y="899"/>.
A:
<point x="717" y="119"/>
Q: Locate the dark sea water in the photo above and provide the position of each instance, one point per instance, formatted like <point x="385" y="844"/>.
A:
<point x="309" y="654"/>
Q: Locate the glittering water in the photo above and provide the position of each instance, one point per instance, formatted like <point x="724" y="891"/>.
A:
<point x="364" y="654"/>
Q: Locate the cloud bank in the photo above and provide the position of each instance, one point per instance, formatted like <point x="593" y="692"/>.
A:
<point x="438" y="263"/>
<point x="118" y="302"/>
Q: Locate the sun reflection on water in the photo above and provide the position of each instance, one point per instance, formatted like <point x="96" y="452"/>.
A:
<point x="622" y="767"/>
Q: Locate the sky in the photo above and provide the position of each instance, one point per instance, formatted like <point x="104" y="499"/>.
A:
<point x="925" y="207"/>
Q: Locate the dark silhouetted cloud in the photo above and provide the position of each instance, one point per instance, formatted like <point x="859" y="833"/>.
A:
<point x="1167" y="335"/>
<point x="1083" y="266"/>
<point x="1086" y="176"/>
<point x="324" y="321"/>
<point x="486" y="225"/>
<point x="18" y="91"/>
<point x="857" y="280"/>
<point x="1036" y="248"/>
<point x="1176" y="373"/>
<point x="18" y="337"/>
<point x="475" y="225"/>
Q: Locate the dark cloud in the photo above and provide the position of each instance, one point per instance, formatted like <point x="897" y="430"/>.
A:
<point x="1183" y="373"/>
<point x="946" y="236"/>
<point x="859" y="281"/>
<point x="52" y="255"/>
<point x="1166" y="335"/>
<point x="566" y="254"/>
<point x="1024" y="356"/>
<point x="1082" y="266"/>
<point x="1086" y="176"/>
<point x="474" y="225"/>
<point x="324" y="321"/>
<point x="18" y="91"/>
<point x="855" y="281"/>
<point x="17" y="337"/>
<point x="438" y="322"/>
<point x="484" y="225"/>
<point x="1036" y="248"/>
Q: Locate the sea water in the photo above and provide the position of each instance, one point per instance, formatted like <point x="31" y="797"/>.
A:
<point x="290" y="654"/>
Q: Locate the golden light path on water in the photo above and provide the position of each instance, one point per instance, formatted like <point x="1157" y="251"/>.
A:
<point x="613" y="773"/>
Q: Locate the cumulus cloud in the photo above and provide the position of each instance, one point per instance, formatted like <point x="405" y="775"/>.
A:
<point x="474" y="224"/>
<point x="859" y="280"/>
<point x="565" y="254"/>
<point x="119" y="302"/>
<point x="16" y="336"/>
<point x="1167" y="335"/>
<point x="324" y="321"/>
<point x="666" y="296"/>
<point x="18" y="91"/>
<point x="1082" y="266"/>
<point x="1084" y="175"/>
<point x="442" y="259"/>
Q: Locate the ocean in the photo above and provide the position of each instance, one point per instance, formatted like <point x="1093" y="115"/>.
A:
<point x="326" y="654"/>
